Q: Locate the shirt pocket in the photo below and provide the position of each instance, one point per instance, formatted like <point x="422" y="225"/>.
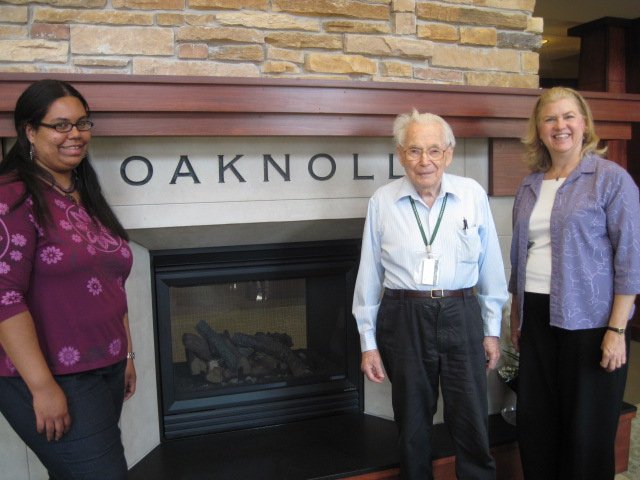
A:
<point x="468" y="245"/>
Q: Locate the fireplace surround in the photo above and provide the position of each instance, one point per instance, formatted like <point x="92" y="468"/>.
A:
<point x="256" y="335"/>
<point x="130" y="110"/>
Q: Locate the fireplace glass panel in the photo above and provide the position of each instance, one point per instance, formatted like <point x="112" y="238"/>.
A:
<point x="240" y="334"/>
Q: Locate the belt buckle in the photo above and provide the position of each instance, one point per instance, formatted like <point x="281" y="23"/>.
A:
<point x="437" y="296"/>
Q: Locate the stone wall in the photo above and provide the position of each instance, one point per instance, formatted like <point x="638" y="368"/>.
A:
<point x="461" y="42"/>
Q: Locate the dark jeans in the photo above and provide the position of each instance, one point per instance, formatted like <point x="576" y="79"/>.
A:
<point x="92" y="449"/>
<point x="568" y="405"/>
<point x="425" y="343"/>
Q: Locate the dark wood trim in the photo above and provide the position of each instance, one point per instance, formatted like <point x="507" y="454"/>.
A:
<point x="129" y="105"/>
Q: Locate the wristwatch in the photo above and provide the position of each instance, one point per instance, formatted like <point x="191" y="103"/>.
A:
<point x="619" y="331"/>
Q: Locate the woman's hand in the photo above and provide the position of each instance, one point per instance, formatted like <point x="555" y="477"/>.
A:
<point x="130" y="379"/>
<point x="613" y="346"/>
<point x="614" y="351"/>
<point x="51" y="410"/>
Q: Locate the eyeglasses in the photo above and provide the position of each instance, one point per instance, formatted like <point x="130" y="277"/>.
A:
<point x="433" y="153"/>
<point x="65" y="127"/>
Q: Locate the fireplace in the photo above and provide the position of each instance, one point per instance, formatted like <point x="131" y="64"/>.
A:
<point x="251" y="336"/>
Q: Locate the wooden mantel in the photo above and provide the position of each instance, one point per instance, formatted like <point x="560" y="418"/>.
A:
<point x="128" y="105"/>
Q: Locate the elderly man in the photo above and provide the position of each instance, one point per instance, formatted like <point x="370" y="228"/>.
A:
<point x="428" y="299"/>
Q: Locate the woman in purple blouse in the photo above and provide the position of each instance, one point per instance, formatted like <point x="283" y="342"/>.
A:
<point x="575" y="259"/>
<point x="66" y="360"/>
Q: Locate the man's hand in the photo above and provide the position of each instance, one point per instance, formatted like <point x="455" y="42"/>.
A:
<point x="371" y="366"/>
<point x="492" y="351"/>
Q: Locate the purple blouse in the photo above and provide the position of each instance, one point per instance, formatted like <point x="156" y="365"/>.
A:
<point x="595" y="242"/>
<point x="69" y="275"/>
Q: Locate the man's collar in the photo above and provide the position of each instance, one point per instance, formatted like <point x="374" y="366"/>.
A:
<point x="407" y="189"/>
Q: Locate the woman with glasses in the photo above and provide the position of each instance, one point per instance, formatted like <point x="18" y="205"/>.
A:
<point x="575" y="260"/>
<point x="66" y="360"/>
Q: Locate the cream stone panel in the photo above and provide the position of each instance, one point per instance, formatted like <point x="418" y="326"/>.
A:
<point x="497" y="79"/>
<point x="388" y="46"/>
<point x="304" y="40"/>
<point x="139" y="419"/>
<point x="230" y="4"/>
<point x="476" y="58"/>
<point x="14" y="14"/>
<point x="154" y="66"/>
<point x="341" y="8"/>
<point x="104" y="17"/>
<point x="273" y="21"/>
<point x="336" y="63"/>
<point x="212" y="34"/>
<point x="352" y="26"/>
<point x="33" y="51"/>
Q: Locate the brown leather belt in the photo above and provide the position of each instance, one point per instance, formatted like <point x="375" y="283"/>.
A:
<point x="428" y="293"/>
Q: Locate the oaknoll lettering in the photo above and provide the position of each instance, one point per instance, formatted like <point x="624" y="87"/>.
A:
<point x="230" y="169"/>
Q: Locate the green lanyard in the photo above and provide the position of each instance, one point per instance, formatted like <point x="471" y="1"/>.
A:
<point x="435" y="230"/>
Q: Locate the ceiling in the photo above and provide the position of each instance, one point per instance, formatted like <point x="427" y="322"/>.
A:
<point x="559" y="53"/>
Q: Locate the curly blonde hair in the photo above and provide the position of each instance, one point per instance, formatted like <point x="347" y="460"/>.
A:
<point x="537" y="156"/>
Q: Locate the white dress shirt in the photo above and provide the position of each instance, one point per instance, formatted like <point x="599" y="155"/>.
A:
<point x="393" y="249"/>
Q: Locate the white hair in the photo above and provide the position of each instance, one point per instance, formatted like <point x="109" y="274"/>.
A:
<point x="403" y="121"/>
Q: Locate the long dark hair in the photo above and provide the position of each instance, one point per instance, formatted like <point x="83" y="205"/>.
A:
<point x="31" y="108"/>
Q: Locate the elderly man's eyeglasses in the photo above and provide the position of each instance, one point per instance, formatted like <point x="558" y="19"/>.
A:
<point x="65" y="127"/>
<point x="433" y="153"/>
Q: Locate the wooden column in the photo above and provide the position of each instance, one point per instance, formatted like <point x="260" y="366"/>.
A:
<point x="602" y="66"/>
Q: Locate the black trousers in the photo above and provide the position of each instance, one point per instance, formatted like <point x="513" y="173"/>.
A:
<point x="426" y="343"/>
<point x="568" y="406"/>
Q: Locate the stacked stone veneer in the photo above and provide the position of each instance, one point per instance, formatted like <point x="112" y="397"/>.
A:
<point x="464" y="42"/>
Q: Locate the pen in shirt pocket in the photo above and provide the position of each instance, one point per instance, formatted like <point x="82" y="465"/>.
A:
<point x="465" y="225"/>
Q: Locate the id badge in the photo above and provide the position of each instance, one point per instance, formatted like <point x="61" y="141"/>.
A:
<point x="430" y="270"/>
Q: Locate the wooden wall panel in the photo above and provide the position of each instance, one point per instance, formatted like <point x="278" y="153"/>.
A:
<point x="506" y="166"/>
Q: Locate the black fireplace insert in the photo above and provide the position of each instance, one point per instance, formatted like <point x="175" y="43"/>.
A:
<point x="258" y="335"/>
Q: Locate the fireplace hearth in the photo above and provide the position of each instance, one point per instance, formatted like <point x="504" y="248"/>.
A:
<point x="252" y="336"/>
